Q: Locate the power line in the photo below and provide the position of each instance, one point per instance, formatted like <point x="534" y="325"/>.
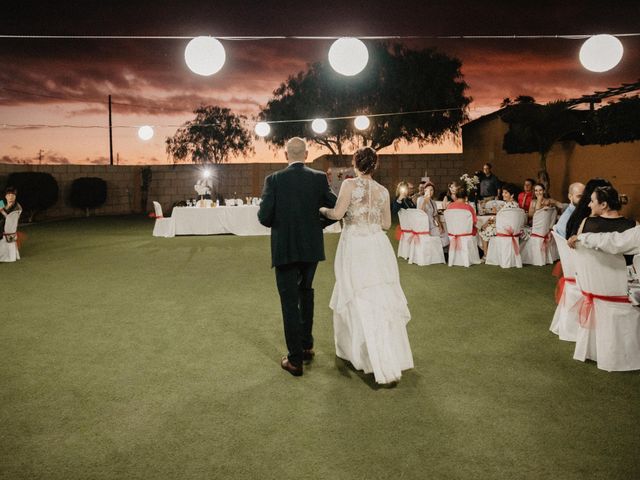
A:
<point x="37" y="126"/>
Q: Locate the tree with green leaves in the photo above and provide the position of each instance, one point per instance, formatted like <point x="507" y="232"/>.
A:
<point x="397" y="79"/>
<point x="214" y="135"/>
<point x="535" y="128"/>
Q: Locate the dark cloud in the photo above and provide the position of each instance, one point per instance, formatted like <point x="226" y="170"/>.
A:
<point x="16" y="147"/>
<point x="149" y="77"/>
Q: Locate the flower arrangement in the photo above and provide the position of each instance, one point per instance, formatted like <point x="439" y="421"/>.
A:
<point x="470" y="182"/>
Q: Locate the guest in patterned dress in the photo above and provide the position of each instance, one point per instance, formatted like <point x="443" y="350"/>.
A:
<point x="488" y="230"/>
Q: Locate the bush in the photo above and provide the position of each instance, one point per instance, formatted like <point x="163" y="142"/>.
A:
<point x="88" y="192"/>
<point x="37" y="191"/>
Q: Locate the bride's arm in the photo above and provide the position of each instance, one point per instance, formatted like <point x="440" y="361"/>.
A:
<point x="386" y="211"/>
<point x="344" y="198"/>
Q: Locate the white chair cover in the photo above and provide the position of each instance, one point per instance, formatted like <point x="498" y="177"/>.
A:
<point x="406" y="228"/>
<point x="239" y="202"/>
<point x="424" y="249"/>
<point x="610" y="335"/>
<point x="463" y="249"/>
<point x="504" y="248"/>
<point x="539" y="249"/>
<point x="8" y="243"/>
<point x="230" y="202"/>
<point x="164" y="227"/>
<point x="567" y="314"/>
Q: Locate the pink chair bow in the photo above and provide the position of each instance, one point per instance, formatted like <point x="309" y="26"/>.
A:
<point x="545" y="241"/>
<point x="586" y="307"/>
<point x="456" y="239"/>
<point x="513" y="236"/>
<point x="415" y="236"/>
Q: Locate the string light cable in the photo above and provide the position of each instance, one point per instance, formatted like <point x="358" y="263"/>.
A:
<point x="318" y="37"/>
<point x="7" y="126"/>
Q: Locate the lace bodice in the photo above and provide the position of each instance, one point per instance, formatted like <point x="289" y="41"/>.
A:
<point x="363" y="203"/>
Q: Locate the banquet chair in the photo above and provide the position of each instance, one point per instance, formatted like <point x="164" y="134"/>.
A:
<point x="164" y="227"/>
<point x="463" y="249"/>
<point x="539" y="249"/>
<point x="568" y="295"/>
<point x="424" y="249"/>
<point x="504" y="248"/>
<point x="406" y="229"/>
<point x="609" y="326"/>
<point x="8" y="243"/>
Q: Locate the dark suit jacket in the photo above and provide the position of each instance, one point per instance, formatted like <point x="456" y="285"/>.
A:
<point x="290" y="202"/>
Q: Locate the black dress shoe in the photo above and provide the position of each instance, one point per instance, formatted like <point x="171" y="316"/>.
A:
<point x="290" y="367"/>
<point x="307" y="355"/>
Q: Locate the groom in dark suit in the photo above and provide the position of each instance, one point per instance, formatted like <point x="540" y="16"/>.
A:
<point x="291" y="200"/>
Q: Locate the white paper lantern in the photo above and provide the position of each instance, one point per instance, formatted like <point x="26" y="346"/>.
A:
<point x="262" y="129"/>
<point x="348" y="56"/>
<point x="319" y="125"/>
<point x="204" y="55"/>
<point x="145" y="132"/>
<point x="361" y="122"/>
<point x="601" y="53"/>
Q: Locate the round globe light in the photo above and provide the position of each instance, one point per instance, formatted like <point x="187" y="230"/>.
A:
<point x="206" y="173"/>
<point x="262" y="129"/>
<point x="601" y="53"/>
<point x="204" y="55"/>
<point x="145" y="132"/>
<point x="361" y="122"/>
<point x="319" y="125"/>
<point x="348" y="56"/>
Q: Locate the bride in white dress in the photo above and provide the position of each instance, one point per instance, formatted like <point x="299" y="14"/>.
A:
<point x="370" y="310"/>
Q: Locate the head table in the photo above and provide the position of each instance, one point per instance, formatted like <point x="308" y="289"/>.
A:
<point x="238" y="220"/>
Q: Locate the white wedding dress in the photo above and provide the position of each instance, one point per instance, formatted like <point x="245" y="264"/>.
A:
<point x="370" y="310"/>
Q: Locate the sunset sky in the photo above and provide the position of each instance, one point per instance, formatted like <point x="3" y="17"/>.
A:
<point x="66" y="82"/>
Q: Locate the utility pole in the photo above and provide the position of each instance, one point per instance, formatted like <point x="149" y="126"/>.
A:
<point x="110" y="135"/>
<point x="40" y="152"/>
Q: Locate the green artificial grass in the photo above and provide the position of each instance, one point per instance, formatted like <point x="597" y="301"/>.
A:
<point x="124" y="356"/>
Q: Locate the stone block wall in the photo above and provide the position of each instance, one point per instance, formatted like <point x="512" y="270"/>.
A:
<point x="173" y="183"/>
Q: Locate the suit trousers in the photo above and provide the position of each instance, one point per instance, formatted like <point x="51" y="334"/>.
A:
<point x="294" y="282"/>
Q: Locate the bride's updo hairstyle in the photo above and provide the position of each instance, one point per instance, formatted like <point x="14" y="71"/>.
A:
<point x="365" y="160"/>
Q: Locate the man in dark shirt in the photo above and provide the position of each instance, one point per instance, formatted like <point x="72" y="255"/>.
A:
<point x="489" y="183"/>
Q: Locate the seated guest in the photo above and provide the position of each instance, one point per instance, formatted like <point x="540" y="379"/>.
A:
<point x="605" y="216"/>
<point x="489" y="183"/>
<point x="582" y="209"/>
<point x="450" y="195"/>
<point x="541" y="200"/>
<point x="402" y="199"/>
<point x="461" y="204"/>
<point x="488" y="230"/>
<point x="575" y="194"/>
<point x="428" y="205"/>
<point x="525" y="197"/>
<point x="419" y="197"/>
<point x="10" y="205"/>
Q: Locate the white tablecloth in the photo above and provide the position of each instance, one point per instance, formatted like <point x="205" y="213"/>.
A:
<point x="212" y="221"/>
<point x="241" y="221"/>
